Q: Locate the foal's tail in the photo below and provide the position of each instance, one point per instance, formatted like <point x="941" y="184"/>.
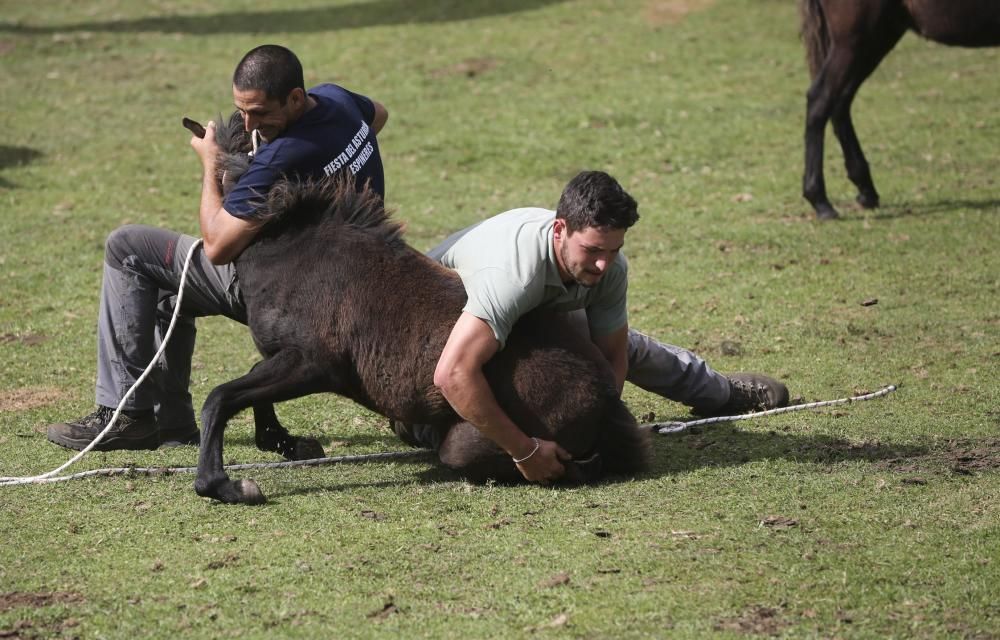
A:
<point x="814" y="34"/>
<point x="624" y="447"/>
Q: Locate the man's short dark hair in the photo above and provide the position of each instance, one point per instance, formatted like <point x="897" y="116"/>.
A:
<point x="595" y="199"/>
<point x="270" y="68"/>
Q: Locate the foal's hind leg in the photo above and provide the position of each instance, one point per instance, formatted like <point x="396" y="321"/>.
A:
<point x="270" y="435"/>
<point x="284" y="376"/>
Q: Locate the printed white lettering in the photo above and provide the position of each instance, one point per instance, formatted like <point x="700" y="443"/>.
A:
<point x="362" y="159"/>
<point x="352" y="148"/>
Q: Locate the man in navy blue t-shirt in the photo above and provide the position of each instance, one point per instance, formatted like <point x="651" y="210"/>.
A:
<point x="320" y="132"/>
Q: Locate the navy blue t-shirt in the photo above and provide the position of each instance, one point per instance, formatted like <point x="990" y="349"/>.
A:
<point x="334" y="135"/>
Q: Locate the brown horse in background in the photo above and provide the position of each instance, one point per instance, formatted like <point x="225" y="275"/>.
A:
<point x="845" y="40"/>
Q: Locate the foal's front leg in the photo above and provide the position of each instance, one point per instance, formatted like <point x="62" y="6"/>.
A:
<point x="284" y="376"/>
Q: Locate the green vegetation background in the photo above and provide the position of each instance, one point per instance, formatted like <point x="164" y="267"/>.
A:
<point x="872" y="520"/>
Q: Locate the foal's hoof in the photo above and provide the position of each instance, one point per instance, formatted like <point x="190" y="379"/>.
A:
<point x="249" y="492"/>
<point x="223" y="489"/>
<point x="243" y="491"/>
<point x="307" y="449"/>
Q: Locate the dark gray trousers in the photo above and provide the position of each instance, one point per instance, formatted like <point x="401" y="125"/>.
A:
<point x="142" y="273"/>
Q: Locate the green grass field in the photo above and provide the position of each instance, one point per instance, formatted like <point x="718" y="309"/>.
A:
<point x="879" y="519"/>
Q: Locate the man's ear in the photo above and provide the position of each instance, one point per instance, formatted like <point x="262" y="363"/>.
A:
<point x="297" y="97"/>
<point x="559" y="230"/>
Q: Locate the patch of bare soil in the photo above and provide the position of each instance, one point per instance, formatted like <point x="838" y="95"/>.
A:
<point x="27" y="339"/>
<point x="666" y="12"/>
<point x="470" y="68"/>
<point x="964" y="457"/>
<point x="27" y="398"/>
<point x="758" y="620"/>
<point x="16" y="599"/>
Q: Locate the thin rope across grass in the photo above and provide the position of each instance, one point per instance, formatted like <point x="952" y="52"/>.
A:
<point x="657" y="427"/>
<point x="677" y="427"/>
<point x="166" y="471"/>
<point x="53" y="476"/>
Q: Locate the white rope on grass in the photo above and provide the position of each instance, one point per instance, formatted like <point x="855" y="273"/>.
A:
<point x="678" y="427"/>
<point x="128" y="394"/>
<point x="312" y="462"/>
<point x="660" y="427"/>
<point x="53" y="476"/>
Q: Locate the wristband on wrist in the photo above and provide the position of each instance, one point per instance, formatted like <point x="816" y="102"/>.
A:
<point x="520" y="460"/>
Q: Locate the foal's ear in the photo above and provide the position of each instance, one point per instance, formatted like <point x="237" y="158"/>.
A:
<point x="193" y="127"/>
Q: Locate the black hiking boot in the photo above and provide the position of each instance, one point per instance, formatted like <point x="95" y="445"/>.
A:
<point x="133" y="430"/>
<point x="179" y="437"/>
<point x="749" y="392"/>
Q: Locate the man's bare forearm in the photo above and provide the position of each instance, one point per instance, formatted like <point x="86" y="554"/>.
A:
<point x="471" y="397"/>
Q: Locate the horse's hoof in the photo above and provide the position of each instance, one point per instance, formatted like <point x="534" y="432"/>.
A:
<point x="826" y="212"/>
<point x="239" y="492"/>
<point x="248" y="492"/>
<point x="307" y="449"/>
<point x="868" y="200"/>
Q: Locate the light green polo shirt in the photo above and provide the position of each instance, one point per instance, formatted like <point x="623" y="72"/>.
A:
<point x="508" y="266"/>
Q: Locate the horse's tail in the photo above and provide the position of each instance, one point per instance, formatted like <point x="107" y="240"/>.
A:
<point x="624" y="447"/>
<point x="814" y="34"/>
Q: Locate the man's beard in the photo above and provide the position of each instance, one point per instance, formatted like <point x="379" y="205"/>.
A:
<point x="575" y="271"/>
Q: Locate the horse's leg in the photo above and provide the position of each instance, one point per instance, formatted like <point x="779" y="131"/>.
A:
<point x="820" y="102"/>
<point x="819" y="108"/>
<point x="270" y="435"/>
<point x="854" y="158"/>
<point x="286" y="375"/>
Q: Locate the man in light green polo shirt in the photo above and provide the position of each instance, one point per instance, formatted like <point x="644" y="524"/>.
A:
<point x="567" y="260"/>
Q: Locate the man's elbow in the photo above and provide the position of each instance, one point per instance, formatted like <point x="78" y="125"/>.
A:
<point x="443" y="379"/>
<point x="381" y="117"/>
<point x="216" y="254"/>
<point x="449" y="379"/>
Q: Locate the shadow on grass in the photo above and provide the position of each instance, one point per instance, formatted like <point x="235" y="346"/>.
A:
<point x="351" y="16"/>
<point x="721" y="445"/>
<point x="912" y="210"/>
<point x="724" y="445"/>
<point x="15" y="157"/>
<point x="375" y="439"/>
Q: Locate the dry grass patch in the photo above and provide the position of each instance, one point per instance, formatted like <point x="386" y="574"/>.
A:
<point x="667" y="12"/>
<point x="27" y="398"/>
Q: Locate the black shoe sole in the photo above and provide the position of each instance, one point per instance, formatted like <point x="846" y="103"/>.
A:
<point x="190" y="439"/>
<point x="148" y="443"/>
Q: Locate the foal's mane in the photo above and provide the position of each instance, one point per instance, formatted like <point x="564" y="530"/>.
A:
<point x="331" y="200"/>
